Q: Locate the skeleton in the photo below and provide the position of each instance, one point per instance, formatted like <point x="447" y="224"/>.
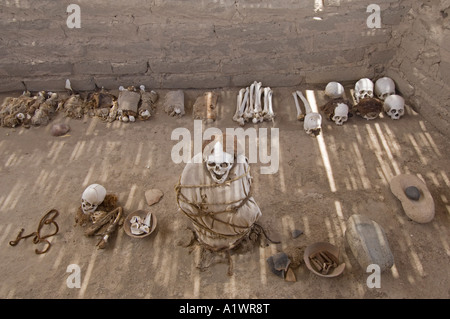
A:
<point x="394" y="106"/>
<point x="92" y="196"/>
<point x="312" y="121"/>
<point x="334" y="90"/>
<point x="363" y="89"/>
<point x="384" y="87"/>
<point x="337" y="110"/>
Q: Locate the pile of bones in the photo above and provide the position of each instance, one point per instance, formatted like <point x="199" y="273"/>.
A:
<point x="128" y="106"/>
<point x="254" y="104"/>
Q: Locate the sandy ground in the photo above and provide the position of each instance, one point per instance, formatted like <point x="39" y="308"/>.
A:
<point x="320" y="183"/>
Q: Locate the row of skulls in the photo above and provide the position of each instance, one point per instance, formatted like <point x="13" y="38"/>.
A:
<point x="369" y="98"/>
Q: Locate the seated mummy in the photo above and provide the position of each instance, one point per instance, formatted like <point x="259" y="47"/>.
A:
<point x="214" y="192"/>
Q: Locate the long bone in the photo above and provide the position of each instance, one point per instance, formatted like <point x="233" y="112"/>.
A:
<point x="271" y="114"/>
<point x="240" y="119"/>
<point x="257" y="113"/>
<point x="240" y="97"/>
<point x="248" y="114"/>
<point x="300" y="115"/>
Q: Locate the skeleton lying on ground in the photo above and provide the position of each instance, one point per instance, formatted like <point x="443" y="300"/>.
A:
<point x="99" y="213"/>
<point x="249" y="104"/>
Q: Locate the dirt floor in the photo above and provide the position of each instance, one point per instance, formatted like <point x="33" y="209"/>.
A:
<point x="320" y="183"/>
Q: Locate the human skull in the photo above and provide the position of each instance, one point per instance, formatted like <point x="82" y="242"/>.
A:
<point x="340" y="114"/>
<point x="334" y="90"/>
<point x="384" y="87"/>
<point x="363" y="89"/>
<point x="394" y="106"/>
<point x="312" y="124"/>
<point x="92" y="196"/>
<point x="219" y="163"/>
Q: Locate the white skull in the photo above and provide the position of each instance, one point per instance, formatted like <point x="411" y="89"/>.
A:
<point x="340" y="114"/>
<point x="363" y="89"/>
<point x="384" y="87"/>
<point x="334" y="90"/>
<point x="394" y="106"/>
<point x="312" y="124"/>
<point x="92" y="196"/>
<point x="219" y="163"/>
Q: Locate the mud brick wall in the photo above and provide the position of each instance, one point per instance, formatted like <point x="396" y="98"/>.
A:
<point x="421" y="65"/>
<point x="191" y="44"/>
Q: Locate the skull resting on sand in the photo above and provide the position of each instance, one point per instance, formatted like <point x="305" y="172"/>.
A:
<point x="92" y="196"/>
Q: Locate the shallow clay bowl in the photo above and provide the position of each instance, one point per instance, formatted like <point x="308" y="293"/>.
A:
<point x="141" y="214"/>
<point x="329" y="248"/>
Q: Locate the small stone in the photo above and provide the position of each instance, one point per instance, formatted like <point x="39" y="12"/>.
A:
<point x="281" y="261"/>
<point x="296" y="232"/>
<point x="59" y="129"/>
<point x="153" y="196"/>
<point x="412" y="192"/>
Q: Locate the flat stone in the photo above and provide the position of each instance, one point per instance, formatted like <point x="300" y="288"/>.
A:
<point x="412" y="192"/>
<point x="296" y="232"/>
<point x="368" y="242"/>
<point x="279" y="264"/>
<point x="152" y="196"/>
<point x="420" y="209"/>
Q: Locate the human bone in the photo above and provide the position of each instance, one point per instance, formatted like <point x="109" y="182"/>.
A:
<point x="369" y="108"/>
<point x="394" y="106"/>
<point x="219" y="163"/>
<point x="257" y="112"/>
<point x="337" y="110"/>
<point x="268" y="111"/>
<point x="300" y="115"/>
<point x="92" y="196"/>
<point x="384" y="87"/>
<point x="242" y="102"/>
<point x="174" y="103"/>
<point x="313" y="121"/>
<point x="140" y="226"/>
<point x="252" y="110"/>
<point x="340" y="114"/>
<point x="312" y="124"/>
<point x="334" y="90"/>
<point x="270" y="115"/>
<point x="363" y="89"/>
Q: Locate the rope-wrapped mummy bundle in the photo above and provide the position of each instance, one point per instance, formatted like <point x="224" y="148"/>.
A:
<point x="222" y="213"/>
